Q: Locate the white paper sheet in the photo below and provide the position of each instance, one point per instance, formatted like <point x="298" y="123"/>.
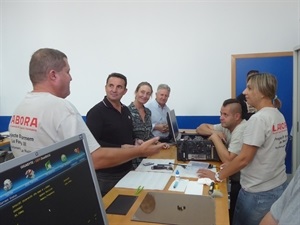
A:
<point x="5" y="133"/>
<point x="191" y="169"/>
<point x="194" y="188"/>
<point x="182" y="184"/>
<point x="148" y="180"/>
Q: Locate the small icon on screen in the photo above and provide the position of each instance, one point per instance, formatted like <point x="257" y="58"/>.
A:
<point x="29" y="174"/>
<point x="7" y="185"/>
<point x="48" y="165"/>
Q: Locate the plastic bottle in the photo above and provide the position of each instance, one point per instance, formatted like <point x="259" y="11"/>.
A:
<point x="177" y="176"/>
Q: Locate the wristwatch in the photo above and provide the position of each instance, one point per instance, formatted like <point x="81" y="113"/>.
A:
<point x="217" y="177"/>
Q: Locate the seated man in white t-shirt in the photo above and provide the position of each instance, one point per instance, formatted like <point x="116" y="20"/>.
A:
<point x="227" y="138"/>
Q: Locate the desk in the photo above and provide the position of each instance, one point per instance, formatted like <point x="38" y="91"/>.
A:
<point x="222" y="216"/>
<point x="5" y="142"/>
<point x="188" y="131"/>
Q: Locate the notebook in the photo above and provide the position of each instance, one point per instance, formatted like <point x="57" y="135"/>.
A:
<point x="176" y="209"/>
<point x="54" y="185"/>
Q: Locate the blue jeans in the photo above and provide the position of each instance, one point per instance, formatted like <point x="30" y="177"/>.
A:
<point x="250" y="207"/>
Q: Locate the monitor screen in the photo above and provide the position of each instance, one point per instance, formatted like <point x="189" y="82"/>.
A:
<point x="173" y="126"/>
<point x="55" y="185"/>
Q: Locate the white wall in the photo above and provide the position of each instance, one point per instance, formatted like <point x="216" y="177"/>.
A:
<point x="186" y="44"/>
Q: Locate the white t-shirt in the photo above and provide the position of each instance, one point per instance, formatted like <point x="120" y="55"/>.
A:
<point x="235" y="139"/>
<point x="43" y="119"/>
<point x="267" y="130"/>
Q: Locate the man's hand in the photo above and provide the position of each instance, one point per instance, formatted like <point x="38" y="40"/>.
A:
<point x="162" y="127"/>
<point x="223" y="165"/>
<point x="151" y="147"/>
<point x="205" y="173"/>
<point x="166" y="146"/>
<point x="218" y="134"/>
<point x="138" y="142"/>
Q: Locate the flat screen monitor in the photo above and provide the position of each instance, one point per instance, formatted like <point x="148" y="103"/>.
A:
<point x="56" y="185"/>
<point x="173" y="126"/>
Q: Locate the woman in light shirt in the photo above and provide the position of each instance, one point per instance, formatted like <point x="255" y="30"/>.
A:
<point x="262" y="158"/>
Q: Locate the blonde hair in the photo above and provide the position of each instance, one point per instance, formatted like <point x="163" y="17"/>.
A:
<point x="142" y="84"/>
<point x="266" y="84"/>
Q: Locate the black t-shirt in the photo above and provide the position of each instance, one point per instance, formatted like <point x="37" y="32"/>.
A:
<point x="111" y="129"/>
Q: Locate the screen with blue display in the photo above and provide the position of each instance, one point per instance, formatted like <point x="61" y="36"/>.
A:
<point x="53" y="188"/>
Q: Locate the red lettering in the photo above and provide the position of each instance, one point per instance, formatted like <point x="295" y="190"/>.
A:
<point x="279" y="127"/>
<point x="24" y="121"/>
<point x="21" y="120"/>
<point x="12" y="120"/>
<point x="34" y="122"/>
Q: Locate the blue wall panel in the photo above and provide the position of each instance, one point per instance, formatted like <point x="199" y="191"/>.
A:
<point x="4" y="121"/>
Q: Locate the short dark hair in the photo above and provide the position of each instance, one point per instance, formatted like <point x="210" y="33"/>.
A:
<point x="252" y="72"/>
<point x="230" y="101"/>
<point x="44" y="60"/>
<point x="118" y="75"/>
<point x="238" y="106"/>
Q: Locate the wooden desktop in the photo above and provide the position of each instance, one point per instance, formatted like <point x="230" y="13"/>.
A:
<point x="222" y="216"/>
<point x="4" y="142"/>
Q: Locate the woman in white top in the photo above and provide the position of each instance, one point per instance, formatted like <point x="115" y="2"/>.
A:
<point x="262" y="158"/>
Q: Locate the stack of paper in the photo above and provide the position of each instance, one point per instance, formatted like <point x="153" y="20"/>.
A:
<point x="190" y="170"/>
<point x="147" y="180"/>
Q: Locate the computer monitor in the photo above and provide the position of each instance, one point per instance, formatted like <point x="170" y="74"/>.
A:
<point x="54" y="185"/>
<point x="173" y="126"/>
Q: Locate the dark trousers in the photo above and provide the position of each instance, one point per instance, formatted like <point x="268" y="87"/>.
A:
<point x="108" y="180"/>
<point x="234" y="192"/>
